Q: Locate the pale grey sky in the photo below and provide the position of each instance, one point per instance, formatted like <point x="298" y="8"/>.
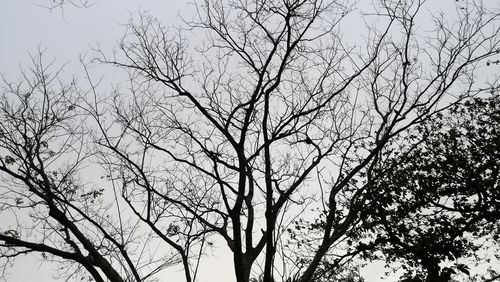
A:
<point x="66" y="35"/>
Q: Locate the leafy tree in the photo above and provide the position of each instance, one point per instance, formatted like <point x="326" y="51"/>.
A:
<point x="267" y="136"/>
<point x="439" y="199"/>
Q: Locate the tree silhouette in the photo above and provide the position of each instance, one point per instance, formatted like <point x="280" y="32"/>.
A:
<point x="439" y="201"/>
<point x="258" y="124"/>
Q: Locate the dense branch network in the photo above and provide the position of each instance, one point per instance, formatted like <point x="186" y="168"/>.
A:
<point x="273" y="118"/>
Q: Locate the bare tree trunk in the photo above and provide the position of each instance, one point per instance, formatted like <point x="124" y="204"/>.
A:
<point x="242" y="268"/>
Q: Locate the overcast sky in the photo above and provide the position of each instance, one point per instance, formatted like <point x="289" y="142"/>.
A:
<point x="66" y="35"/>
<point x="24" y="25"/>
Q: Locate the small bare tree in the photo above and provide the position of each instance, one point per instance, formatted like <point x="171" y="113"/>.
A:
<point x="47" y="205"/>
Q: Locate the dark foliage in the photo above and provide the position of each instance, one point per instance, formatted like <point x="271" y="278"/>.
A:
<point x="439" y="201"/>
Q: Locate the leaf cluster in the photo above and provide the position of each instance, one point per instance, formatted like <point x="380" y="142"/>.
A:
<point x="434" y="201"/>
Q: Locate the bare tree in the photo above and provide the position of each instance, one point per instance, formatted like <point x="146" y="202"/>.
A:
<point x="47" y="204"/>
<point x="275" y="112"/>
<point x="272" y="119"/>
